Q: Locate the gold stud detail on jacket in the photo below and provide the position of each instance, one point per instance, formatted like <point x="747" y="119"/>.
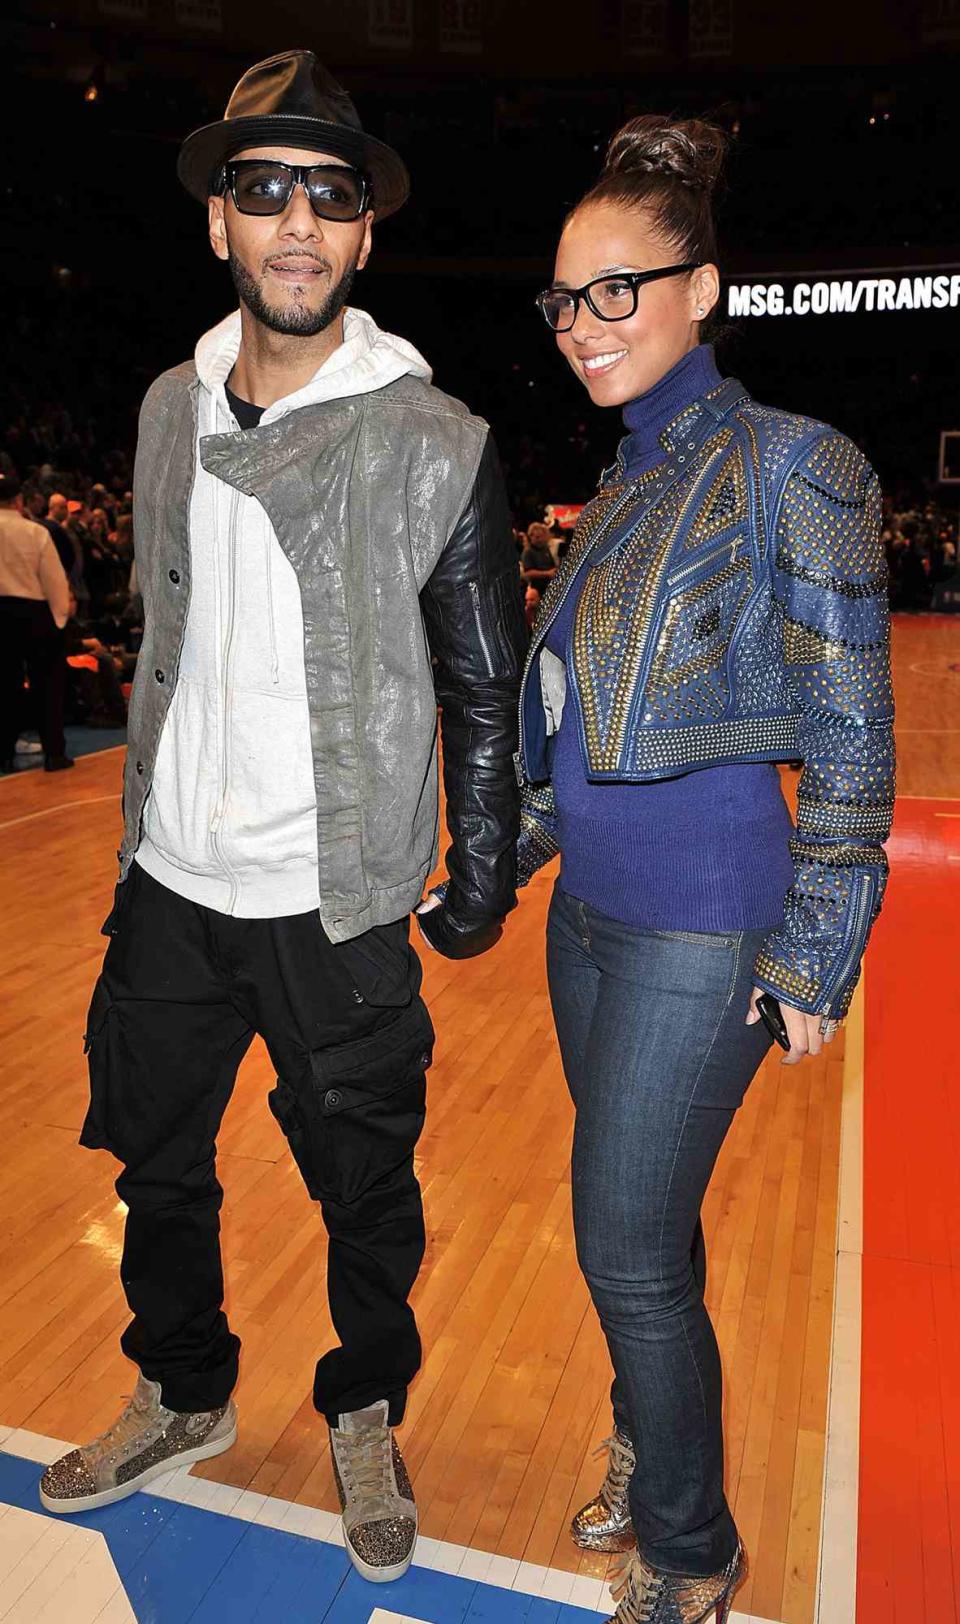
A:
<point x="676" y="671"/>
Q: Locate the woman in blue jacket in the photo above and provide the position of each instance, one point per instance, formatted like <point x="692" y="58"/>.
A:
<point x="722" y="607"/>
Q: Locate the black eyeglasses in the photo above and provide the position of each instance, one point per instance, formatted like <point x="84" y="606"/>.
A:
<point x="265" y="186"/>
<point x="611" y="298"/>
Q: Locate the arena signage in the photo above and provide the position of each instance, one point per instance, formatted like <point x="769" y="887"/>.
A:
<point x="844" y="295"/>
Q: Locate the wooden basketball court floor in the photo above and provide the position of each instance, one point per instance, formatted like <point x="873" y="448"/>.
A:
<point x="834" y="1275"/>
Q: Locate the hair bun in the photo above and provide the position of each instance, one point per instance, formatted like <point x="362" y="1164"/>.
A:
<point x="690" y="151"/>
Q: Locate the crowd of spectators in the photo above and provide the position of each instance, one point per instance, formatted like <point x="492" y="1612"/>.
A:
<point x="89" y="517"/>
<point x="80" y="491"/>
<point x="920" y="536"/>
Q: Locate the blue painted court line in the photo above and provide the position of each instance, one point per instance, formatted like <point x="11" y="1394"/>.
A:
<point x="182" y="1565"/>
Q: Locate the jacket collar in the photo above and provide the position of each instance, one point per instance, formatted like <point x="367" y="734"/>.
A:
<point x="367" y="360"/>
<point x="686" y="433"/>
<point x="682" y="440"/>
<point x="249" y="461"/>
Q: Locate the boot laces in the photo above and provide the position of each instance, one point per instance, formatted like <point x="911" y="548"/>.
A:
<point x="635" y="1590"/>
<point x="620" y="1464"/>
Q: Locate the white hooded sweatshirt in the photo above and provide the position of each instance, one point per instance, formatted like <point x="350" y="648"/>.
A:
<point x="231" y="818"/>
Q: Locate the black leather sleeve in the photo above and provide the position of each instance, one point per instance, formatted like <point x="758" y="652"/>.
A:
<point x="475" y="626"/>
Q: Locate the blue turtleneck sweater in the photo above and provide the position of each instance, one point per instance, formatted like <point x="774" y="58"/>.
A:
<point x="706" y="851"/>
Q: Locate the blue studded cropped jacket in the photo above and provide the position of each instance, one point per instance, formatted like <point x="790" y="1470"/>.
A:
<point x="732" y="606"/>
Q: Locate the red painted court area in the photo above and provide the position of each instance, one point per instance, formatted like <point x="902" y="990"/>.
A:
<point x="909" y="1530"/>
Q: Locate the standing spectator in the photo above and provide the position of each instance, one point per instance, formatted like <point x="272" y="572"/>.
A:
<point x="58" y="509"/>
<point x="101" y="500"/>
<point x="91" y="533"/>
<point x="102" y="569"/>
<point x="35" y="507"/>
<point x="34" y="606"/>
<point x="122" y="540"/>
<point x="58" y="513"/>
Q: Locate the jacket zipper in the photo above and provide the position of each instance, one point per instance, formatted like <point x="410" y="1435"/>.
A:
<point x="543" y="629"/>
<point x="481" y="634"/>
<point x="698" y="564"/>
<point x="221" y="808"/>
<point x="657" y="606"/>
<point x="862" y="910"/>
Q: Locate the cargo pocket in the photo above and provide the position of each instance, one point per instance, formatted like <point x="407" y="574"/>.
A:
<point x="359" y="1112"/>
<point x="94" y="1134"/>
<point x="381" y="965"/>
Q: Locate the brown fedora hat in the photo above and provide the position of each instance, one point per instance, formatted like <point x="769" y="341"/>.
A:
<point x="291" y="100"/>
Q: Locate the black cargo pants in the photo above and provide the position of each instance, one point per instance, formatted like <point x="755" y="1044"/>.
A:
<point x="182" y="991"/>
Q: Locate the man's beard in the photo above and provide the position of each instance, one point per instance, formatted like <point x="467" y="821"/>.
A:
<point x="296" y="319"/>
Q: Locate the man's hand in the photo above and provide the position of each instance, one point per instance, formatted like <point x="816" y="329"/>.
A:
<point x="804" y="1031"/>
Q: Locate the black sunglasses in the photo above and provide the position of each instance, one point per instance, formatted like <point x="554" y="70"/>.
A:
<point x="611" y="298"/>
<point x="266" y="185"/>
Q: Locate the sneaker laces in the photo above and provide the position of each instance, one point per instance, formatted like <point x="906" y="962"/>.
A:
<point x="129" y="1425"/>
<point x="369" y="1462"/>
<point x="635" y="1590"/>
<point x="620" y="1465"/>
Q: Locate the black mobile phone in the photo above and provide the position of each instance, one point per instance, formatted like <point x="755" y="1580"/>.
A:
<point x="772" y="1018"/>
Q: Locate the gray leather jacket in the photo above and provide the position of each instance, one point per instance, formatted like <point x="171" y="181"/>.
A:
<point x="390" y="508"/>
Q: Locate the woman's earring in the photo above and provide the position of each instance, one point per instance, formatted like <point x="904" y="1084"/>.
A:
<point x="699" y="310"/>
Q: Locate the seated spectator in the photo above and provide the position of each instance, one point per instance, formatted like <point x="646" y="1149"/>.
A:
<point x="537" y="564"/>
<point x="95" y="677"/>
<point x="120" y="628"/>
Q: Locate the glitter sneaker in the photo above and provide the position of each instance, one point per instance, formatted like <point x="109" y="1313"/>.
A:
<point x="143" y="1443"/>
<point x="603" y="1524"/>
<point x="379" y="1511"/>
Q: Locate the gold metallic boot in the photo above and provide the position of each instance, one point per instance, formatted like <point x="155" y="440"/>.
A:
<point x="648" y="1597"/>
<point x="603" y="1524"/>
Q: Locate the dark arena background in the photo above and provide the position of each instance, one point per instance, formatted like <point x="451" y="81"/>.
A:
<point x="833" y="1217"/>
<point x="845" y="123"/>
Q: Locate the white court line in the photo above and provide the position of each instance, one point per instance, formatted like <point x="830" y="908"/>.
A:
<point x="837" y="1590"/>
<point x="505" y="1573"/>
<point x="62" y="806"/>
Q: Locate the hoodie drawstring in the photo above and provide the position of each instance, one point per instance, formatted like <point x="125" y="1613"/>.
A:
<point x="367" y="360"/>
<point x="271" y="617"/>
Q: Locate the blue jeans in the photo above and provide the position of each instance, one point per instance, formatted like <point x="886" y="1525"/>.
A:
<point x="657" y="1057"/>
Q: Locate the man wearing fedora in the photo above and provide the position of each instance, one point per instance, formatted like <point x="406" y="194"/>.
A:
<point x="316" y="527"/>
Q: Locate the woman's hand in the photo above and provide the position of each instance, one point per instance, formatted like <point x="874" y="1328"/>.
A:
<point x="807" y="1033"/>
<point x="427" y="905"/>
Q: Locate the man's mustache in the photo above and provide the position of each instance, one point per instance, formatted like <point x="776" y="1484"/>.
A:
<point x="298" y="254"/>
